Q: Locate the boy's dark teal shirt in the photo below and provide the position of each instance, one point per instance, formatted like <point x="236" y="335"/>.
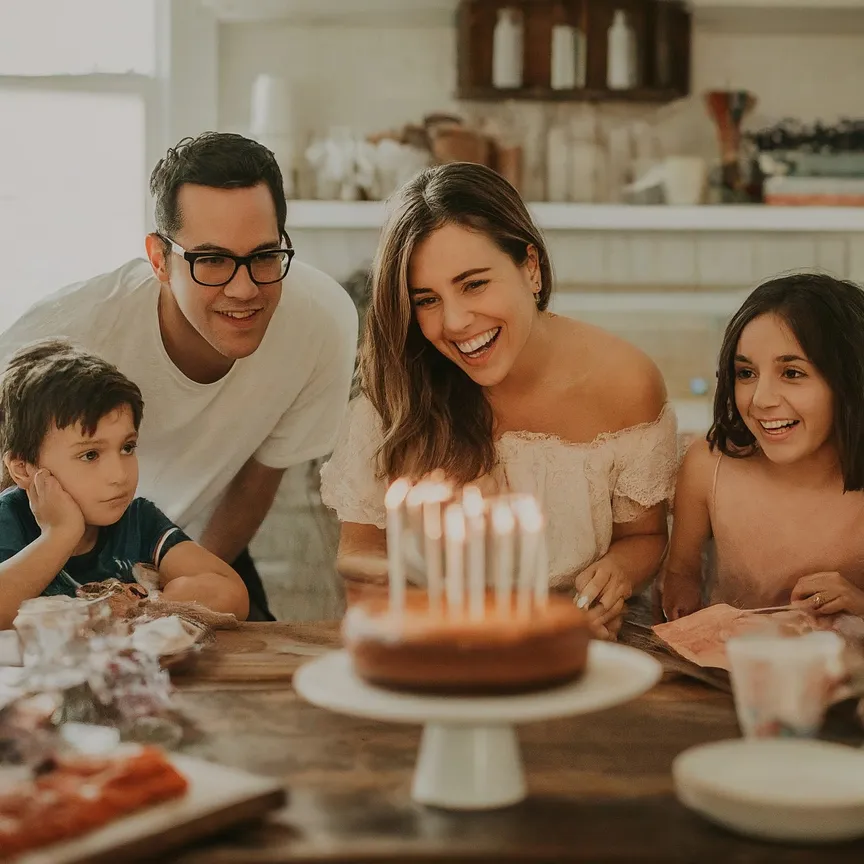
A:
<point x="134" y="539"/>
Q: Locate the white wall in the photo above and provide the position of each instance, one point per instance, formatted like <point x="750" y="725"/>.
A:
<point x="377" y="78"/>
<point x="373" y="78"/>
<point x="364" y="77"/>
<point x="668" y="259"/>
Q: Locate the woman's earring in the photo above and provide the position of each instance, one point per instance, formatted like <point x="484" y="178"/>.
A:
<point x="537" y="294"/>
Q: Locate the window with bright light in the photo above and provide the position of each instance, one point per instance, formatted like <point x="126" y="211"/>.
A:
<point x="77" y="37"/>
<point x="78" y="98"/>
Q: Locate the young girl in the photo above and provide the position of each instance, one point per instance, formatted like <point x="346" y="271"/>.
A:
<point x="778" y="483"/>
<point x="463" y="369"/>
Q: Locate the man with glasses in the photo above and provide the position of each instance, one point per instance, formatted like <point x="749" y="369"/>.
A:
<point x="244" y="356"/>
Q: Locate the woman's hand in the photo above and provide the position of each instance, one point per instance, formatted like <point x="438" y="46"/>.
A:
<point x="602" y="589"/>
<point x="828" y="594"/>
<point x="609" y="631"/>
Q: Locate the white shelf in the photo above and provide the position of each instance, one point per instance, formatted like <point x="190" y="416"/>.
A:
<point x="779" y="16"/>
<point x="350" y="12"/>
<point x="779" y="5"/>
<point x="369" y="215"/>
<point x="828" y="16"/>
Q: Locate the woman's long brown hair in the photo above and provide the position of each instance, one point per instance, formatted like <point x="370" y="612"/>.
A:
<point x="433" y="415"/>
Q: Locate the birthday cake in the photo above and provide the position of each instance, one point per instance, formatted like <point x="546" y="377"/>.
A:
<point x="421" y="649"/>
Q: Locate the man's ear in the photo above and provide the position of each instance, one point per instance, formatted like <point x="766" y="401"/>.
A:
<point x="20" y="471"/>
<point x="155" y="247"/>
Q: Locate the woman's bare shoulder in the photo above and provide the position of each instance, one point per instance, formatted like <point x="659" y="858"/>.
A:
<point x="620" y="377"/>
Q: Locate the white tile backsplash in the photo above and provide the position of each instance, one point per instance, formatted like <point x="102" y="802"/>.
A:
<point x="632" y="258"/>
<point x="644" y="265"/>
<point x="832" y="256"/>
<point x="619" y="264"/>
<point x="855" y="259"/>
<point x="577" y="258"/>
<point x="724" y="260"/>
<point x="775" y="255"/>
<point x="676" y="261"/>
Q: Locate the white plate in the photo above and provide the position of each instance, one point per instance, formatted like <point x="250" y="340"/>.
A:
<point x="614" y="674"/>
<point x="776" y="788"/>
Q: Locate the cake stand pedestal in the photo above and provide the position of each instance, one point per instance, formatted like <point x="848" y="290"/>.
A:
<point x="469" y="755"/>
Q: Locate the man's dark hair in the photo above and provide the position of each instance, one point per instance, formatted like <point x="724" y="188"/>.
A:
<point x="826" y="315"/>
<point x="221" y="160"/>
<point x="55" y="383"/>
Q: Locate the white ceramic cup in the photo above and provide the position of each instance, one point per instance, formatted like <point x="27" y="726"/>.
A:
<point x="684" y="180"/>
<point x="783" y="684"/>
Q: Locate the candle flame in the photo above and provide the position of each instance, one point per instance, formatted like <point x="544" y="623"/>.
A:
<point x="397" y="493"/>
<point x="528" y="514"/>
<point x="502" y="518"/>
<point x="429" y="492"/>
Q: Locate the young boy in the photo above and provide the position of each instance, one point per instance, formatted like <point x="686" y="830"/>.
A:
<point x="68" y="513"/>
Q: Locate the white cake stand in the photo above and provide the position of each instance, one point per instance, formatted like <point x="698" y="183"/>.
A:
<point x="469" y="754"/>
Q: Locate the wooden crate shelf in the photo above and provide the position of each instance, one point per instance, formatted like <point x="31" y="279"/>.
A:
<point x="662" y="29"/>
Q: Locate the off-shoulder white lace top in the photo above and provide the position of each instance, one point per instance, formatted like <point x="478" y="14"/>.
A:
<point x="584" y="488"/>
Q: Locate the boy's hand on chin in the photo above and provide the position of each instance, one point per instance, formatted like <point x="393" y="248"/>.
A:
<point x="54" y="508"/>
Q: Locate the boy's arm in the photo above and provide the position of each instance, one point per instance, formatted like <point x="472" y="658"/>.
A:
<point x="691" y="527"/>
<point x="30" y="567"/>
<point x="27" y="573"/>
<point x="187" y="571"/>
<point x="190" y="573"/>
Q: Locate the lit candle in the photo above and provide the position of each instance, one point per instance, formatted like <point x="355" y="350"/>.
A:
<point x="432" y="542"/>
<point x="473" y="507"/>
<point x="414" y="547"/>
<point x="503" y="525"/>
<point x="541" y="586"/>
<point x="530" y="522"/>
<point x="394" y="501"/>
<point x="430" y="490"/>
<point x="454" y="552"/>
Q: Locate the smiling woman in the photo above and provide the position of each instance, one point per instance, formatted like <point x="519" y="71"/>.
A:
<point x="462" y="368"/>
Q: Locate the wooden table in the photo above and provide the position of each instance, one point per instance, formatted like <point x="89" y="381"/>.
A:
<point x="600" y="786"/>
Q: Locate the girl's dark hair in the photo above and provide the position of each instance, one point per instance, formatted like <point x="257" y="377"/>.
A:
<point x="55" y="383"/>
<point x="826" y="315"/>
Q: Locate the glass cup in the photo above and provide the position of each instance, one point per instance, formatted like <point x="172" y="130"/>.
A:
<point x="782" y="685"/>
<point x="52" y="633"/>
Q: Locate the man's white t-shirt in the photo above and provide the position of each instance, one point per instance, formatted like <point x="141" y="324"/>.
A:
<point x="283" y="404"/>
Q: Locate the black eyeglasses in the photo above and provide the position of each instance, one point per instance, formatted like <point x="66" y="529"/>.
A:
<point x="214" y="269"/>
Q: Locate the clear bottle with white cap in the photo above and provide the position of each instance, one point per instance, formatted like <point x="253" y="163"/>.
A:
<point x="621" y="64"/>
<point x="507" y="50"/>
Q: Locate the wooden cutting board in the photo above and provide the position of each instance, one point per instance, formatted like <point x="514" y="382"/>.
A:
<point x="218" y="799"/>
<point x="259" y="652"/>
